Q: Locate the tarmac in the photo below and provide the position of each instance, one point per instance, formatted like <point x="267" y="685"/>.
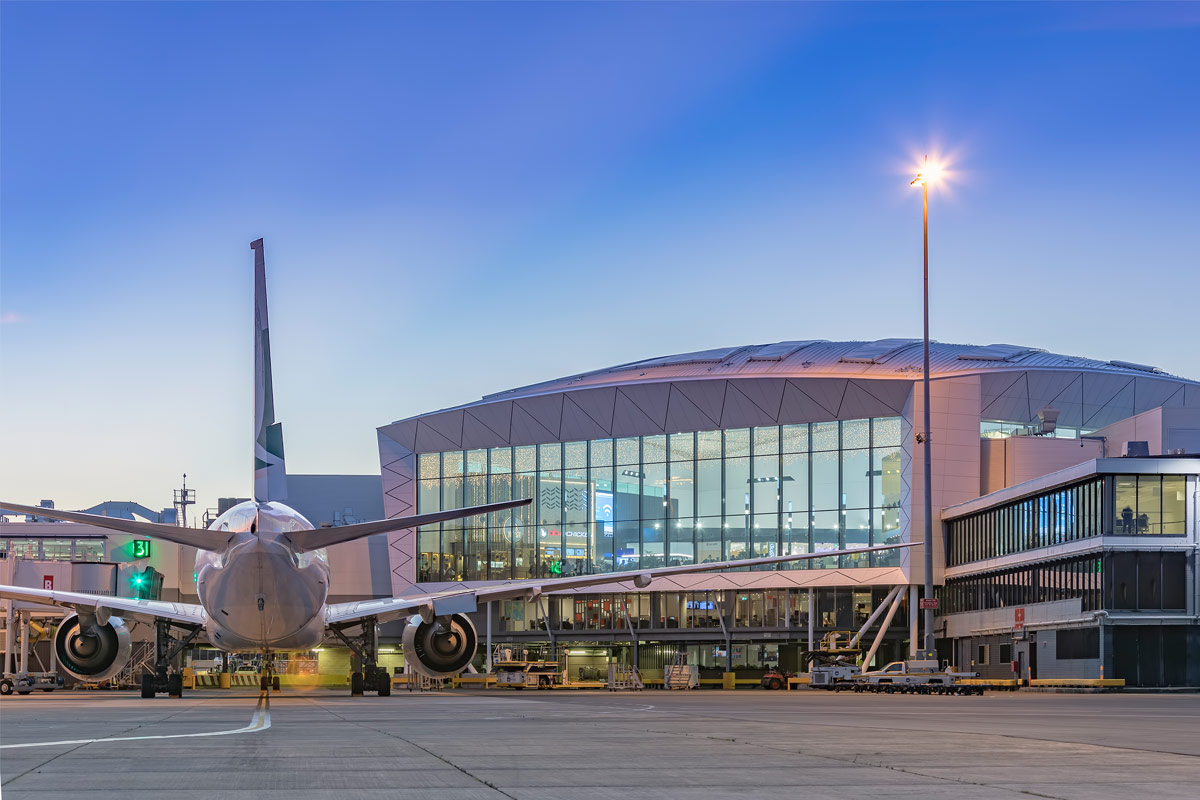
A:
<point x="597" y="745"/>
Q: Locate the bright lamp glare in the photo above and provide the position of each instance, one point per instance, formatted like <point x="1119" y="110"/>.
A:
<point x="929" y="174"/>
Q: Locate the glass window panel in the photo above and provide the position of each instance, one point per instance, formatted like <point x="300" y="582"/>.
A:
<point x="794" y="486"/>
<point x="500" y="460"/>
<point x="429" y="465"/>
<point x="475" y="563"/>
<point x="858" y="534"/>
<point x="575" y="455"/>
<point x="525" y="459"/>
<point x="708" y="488"/>
<point x="452" y="492"/>
<point x="654" y="536"/>
<point x="885" y="432"/>
<point x="825" y="481"/>
<point x="856" y="434"/>
<point x="88" y="550"/>
<point x="576" y="505"/>
<point x="737" y="487"/>
<point x="1174" y="504"/>
<point x="600" y="453"/>
<point x="737" y="536"/>
<point x="1149" y="504"/>
<point x="452" y="550"/>
<point x="476" y="487"/>
<point x="654" y="492"/>
<point x="708" y="444"/>
<point x="682" y="487"/>
<point x="708" y="539"/>
<point x="524" y="551"/>
<point x="766" y="440"/>
<point x="524" y="485"/>
<point x="682" y="446"/>
<point x="737" y="442"/>
<point x="603" y="515"/>
<point x="795" y="438"/>
<point x="765" y="485"/>
<point x="680" y="536"/>
<point x="550" y="551"/>
<point x="1125" y="505"/>
<point x="476" y="462"/>
<point x="452" y="464"/>
<point x="629" y="492"/>
<point x="825" y="535"/>
<point x="429" y="496"/>
<point x="629" y="451"/>
<point x="795" y="539"/>
<point x="654" y="449"/>
<point x="765" y="536"/>
<point x="885" y="474"/>
<point x="429" y="549"/>
<point x="825" y="436"/>
<point x="856" y="478"/>
<point x="550" y="456"/>
<point x="627" y="541"/>
<point x="550" y="498"/>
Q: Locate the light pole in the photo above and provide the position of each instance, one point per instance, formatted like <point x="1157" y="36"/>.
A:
<point x="923" y="178"/>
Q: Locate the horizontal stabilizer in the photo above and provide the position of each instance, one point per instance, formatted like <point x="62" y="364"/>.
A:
<point x="324" y="537"/>
<point x="192" y="537"/>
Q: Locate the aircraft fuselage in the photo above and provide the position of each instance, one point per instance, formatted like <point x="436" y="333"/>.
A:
<point x="259" y="592"/>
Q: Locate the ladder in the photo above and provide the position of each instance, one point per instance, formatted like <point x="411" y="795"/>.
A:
<point x="624" y="677"/>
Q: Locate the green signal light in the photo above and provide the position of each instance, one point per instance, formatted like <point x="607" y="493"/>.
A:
<point x="556" y="568"/>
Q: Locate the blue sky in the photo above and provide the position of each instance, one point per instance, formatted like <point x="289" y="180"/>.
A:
<point x="460" y="198"/>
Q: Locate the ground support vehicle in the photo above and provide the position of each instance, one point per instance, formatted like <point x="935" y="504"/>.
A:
<point x="519" y="668"/>
<point x="775" y="678"/>
<point x="835" y="663"/>
<point x="26" y="682"/>
<point x="833" y="675"/>
<point x="919" y="676"/>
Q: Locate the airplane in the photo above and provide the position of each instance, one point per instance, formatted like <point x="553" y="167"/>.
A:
<point x="262" y="578"/>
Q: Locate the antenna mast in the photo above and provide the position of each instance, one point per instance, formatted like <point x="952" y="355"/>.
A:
<point x="183" y="498"/>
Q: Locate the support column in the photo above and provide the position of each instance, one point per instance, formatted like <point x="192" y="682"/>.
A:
<point x="23" y="623"/>
<point x="489" y="637"/>
<point x="9" y="632"/>
<point x="913" y="641"/>
<point x="812" y="616"/>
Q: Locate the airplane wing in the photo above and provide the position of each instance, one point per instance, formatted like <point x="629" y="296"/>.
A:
<point x="466" y="600"/>
<point x="192" y="537"/>
<point x="147" y="610"/>
<point x="324" y="537"/>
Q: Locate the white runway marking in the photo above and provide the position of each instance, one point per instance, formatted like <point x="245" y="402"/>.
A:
<point x="260" y="721"/>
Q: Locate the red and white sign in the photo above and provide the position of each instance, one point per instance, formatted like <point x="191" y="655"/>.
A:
<point x="1018" y="619"/>
<point x="48" y="582"/>
<point x="929" y="602"/>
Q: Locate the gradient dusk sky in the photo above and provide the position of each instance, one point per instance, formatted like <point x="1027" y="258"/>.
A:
<point x="463" y="198"/>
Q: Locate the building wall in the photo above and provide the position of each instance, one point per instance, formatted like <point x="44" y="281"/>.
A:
<point x="1016" y="459"/>
<point x="1163" y="429"/>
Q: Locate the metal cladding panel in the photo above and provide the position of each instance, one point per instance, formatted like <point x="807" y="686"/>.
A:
<point x="1101" y="389"/>
<point x="684" y="415"/>
<point x="741" y="412"/>
<point x="827" y="393"/>
<point x="797" y="406"/>
<point x="630" y="420"/>
<point x="1151" y="393"/>
<point x="598" y="404"/>
<point x="1012" y="401"/>
<point x="527" y="430"/>
<point x="448" y="423"/>
<point x="708" y="396"/>
<point x="429" y="440"/>
<point x="651" y="400"/>
<point x="1119" y="406"/>
<point x="496" y="417"/>
<point x="857" y="403"/>
<point x="403" y="433"/>
<point x="893" y="394"/>
<point x="577" y="425"/>
<point x="766" y="393"/>
<point x="546" y="409"/>
<point x="476" y="434"/>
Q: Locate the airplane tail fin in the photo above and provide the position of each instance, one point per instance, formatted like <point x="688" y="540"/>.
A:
<point x="270" y="476"/>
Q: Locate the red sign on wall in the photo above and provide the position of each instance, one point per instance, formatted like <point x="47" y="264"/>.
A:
<point x="929" y="602"/>
<point x="1018" y="619"/>
<point x="48" y="582"/>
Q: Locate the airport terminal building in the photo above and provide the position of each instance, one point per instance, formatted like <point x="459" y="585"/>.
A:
<point x="809" y="446"/>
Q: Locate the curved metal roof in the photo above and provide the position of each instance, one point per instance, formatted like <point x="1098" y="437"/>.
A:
<point x="821" y="358"/>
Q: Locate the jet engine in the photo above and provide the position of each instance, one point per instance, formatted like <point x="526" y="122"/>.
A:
<point x="92" y="652"/>
<point x="439" y="650"/>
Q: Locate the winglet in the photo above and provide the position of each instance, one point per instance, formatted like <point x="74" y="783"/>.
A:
<point x="270" y="475"/>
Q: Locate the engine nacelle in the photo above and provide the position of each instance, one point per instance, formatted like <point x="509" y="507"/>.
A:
<point x="438" y="651"/>
<point x="93" y="653"/>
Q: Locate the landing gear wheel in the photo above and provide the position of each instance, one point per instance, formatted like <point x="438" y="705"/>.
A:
<point x="263" y="683"/>
<point x="356" y="684"/>
<point x="175" y="685"/>
<point x="275" y="682"/>
<point x="384" y="682"/>
<point x="147" y="685"/>
<point x="6" y="687"/>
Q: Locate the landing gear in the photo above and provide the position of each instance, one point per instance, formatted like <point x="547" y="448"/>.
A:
<point x="365" y="645"/>
<point x="167" y="646"/>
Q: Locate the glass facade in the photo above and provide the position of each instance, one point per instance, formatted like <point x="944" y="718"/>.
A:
<point x="48" y="549"/>
<point x="1121" y="505"/>
<point x="1066" y="579"/>
<point x="611" y="505"/>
